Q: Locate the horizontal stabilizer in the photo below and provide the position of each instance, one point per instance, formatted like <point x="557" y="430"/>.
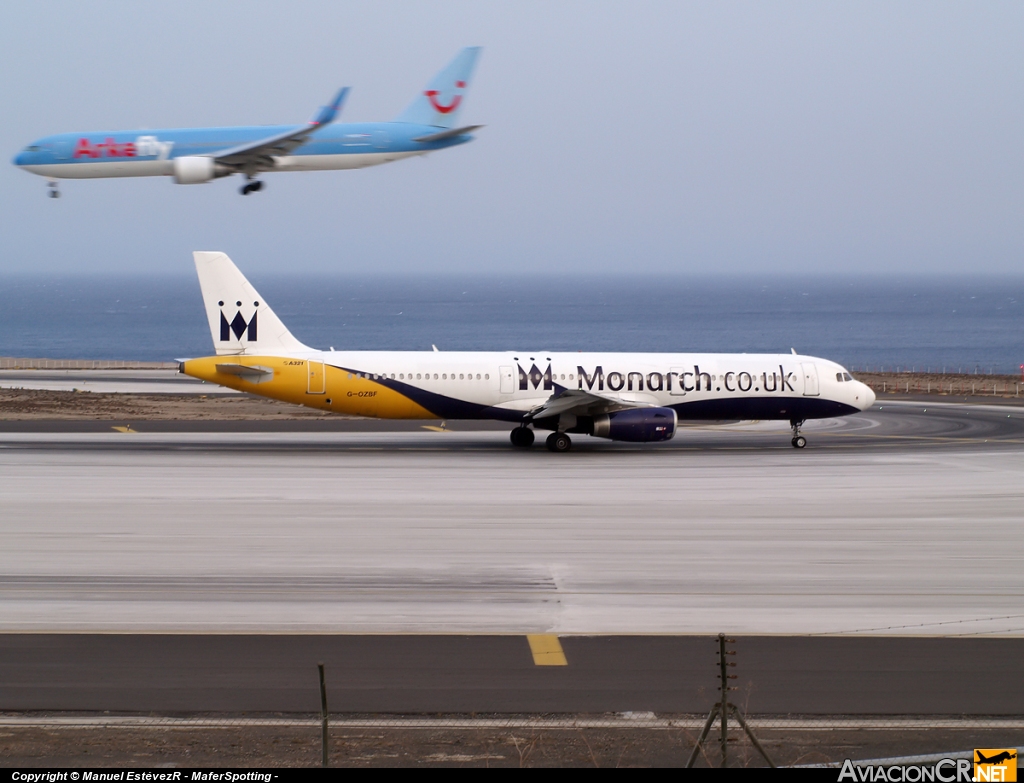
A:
<point x="448" y="134"/>
<point x="255" y="374"/>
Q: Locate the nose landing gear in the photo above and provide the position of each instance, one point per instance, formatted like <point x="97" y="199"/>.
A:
<point x="251" y="187"/>
<point x="799" y="441"/>
<point x="54" y="192"/>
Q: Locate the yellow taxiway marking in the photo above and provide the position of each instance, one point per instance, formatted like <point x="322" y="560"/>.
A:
<point x="432" y="428"/>
<point x="546" y="649"/>
<point x="126" y="428"/>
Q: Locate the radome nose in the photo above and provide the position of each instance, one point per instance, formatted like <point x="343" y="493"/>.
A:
<point x="867" y="396"/>
<point x="21" y="158"/>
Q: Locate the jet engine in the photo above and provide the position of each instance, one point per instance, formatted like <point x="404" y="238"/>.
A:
<point x="194" y="169"/>
<point x="637" y="425"/>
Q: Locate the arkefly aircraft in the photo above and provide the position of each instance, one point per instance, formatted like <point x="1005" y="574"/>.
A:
<point x="634" y="397"/>
<point x="196" y="155"/>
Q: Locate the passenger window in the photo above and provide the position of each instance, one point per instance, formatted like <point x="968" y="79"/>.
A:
<point x="460" y="377"/>
<point x="487" y="376"/>
<point x="417" y="376"/>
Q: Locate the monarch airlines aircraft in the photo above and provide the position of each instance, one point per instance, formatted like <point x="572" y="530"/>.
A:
<point x="636" y="397"/>
<point x="196" y="155"/>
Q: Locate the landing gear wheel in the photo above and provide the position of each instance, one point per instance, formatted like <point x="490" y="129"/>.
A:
<point x="799" y="441"/>
<point x="521" y="437"/>
<point x="54" y="192"/>
<point x="559" y="442"/>
<point x="251" y="187"/>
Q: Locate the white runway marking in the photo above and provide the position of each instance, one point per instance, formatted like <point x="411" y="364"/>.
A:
<point x="181" y="537"/>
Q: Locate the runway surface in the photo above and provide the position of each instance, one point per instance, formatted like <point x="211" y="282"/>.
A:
<point x="496" y="674"/>
<point x="902" y="520"/>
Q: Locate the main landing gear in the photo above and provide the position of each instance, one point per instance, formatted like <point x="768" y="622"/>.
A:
<point x="251" y="187"/>
<point x="521" y="437"/>
<point x="799" y="441"/>
<point x="559" y="442"/>
<point x="54" y="192"/>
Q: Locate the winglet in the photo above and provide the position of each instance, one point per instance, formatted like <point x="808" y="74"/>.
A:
<point x="327" y="114"/>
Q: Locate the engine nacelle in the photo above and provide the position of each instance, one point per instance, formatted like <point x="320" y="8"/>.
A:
<point x="637" y="425"/>
<point x="194" y="170"/>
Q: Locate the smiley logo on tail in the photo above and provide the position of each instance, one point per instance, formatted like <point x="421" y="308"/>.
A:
<point x="439" y="107"/>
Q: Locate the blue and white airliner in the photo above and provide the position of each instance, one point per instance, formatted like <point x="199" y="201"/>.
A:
<point x="196" y="155"/>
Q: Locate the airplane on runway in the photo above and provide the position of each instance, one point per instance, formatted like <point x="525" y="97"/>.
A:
<point x="634" y="397"/>
<point x="196" y="155"/>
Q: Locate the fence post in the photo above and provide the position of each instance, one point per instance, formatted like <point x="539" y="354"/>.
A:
<point x="721" y="711"/>
<point x="725" y="700"/>
<point x="323" y="717"/>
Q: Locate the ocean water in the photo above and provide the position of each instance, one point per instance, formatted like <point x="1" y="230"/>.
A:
<point x="964" y="324"/>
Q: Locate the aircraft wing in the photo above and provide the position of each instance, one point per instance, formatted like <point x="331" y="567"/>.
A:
<point x="259" y="155"/>
<point x="580" y="403"/>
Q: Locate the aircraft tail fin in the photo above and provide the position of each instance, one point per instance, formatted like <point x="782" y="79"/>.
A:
<point x="440" y="102"/>
<point x="240" y="321"/>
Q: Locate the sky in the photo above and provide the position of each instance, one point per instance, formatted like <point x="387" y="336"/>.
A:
<point x="650" y="138"/>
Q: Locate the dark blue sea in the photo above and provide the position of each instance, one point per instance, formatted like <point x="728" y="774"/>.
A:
<point x="966" y="325"/>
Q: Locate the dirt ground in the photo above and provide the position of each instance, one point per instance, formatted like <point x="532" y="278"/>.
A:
<point x="590" y="747"/>
<point x="973" y="386"/>
<point x="24" y="404"/>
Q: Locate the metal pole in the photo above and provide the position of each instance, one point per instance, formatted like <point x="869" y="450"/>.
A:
<point x="725" y="700"/>
<point x="323" y="716"/>
<point x="753" y="739"/>
<point x="703" y="735"/>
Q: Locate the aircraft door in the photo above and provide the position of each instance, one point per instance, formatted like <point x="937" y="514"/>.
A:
<point x="810" y="373"/>
<point x="316" y="380"/>
<point x="507" y="380"/>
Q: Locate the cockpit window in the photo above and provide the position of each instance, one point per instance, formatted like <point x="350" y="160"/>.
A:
<point x="33" y="148"/>
<point x="847" y="376"/>
<point x="839" y="377"/>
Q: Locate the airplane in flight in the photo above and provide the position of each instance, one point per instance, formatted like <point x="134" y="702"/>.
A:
<point x="196" y="155"/>
<point x="633" y="397"/>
